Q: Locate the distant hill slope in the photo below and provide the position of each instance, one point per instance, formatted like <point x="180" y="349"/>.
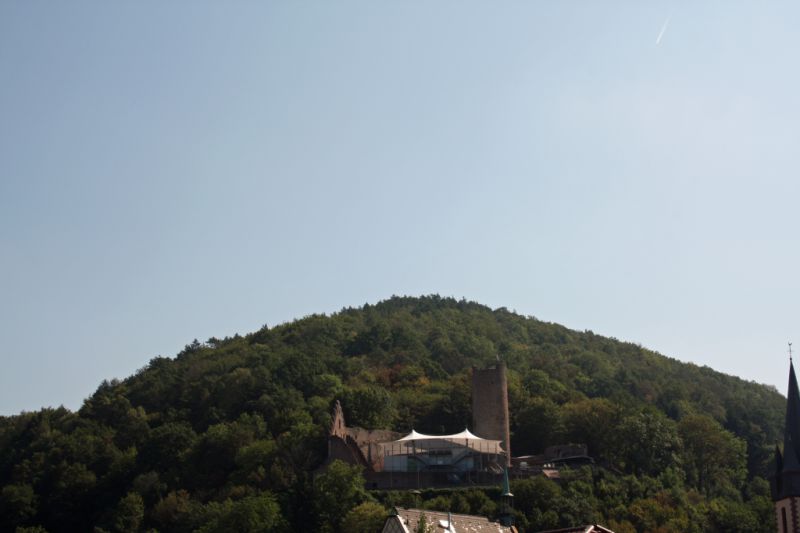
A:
<point x="234" y="426"/>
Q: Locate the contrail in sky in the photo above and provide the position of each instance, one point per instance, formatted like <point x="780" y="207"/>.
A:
<point x="663" y="29"/>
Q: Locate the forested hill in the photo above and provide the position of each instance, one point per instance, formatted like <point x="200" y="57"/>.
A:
<point x="225" y="435"/>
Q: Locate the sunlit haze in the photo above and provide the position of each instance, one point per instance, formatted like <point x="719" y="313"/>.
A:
<point x="181" y="170"/>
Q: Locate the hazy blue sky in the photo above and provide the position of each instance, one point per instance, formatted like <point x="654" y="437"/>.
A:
<point x="181" y="170"/>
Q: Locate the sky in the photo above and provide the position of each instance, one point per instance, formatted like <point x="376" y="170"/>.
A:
<point x="181" y="170"/>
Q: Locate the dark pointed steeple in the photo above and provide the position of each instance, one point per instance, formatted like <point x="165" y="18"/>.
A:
<point x="786" y="481"/>
<point x="791" y="427"/>
<point x="506" y="502"/>
<point x="506" y="484"/>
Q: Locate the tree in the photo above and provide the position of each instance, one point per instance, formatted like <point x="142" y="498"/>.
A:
<point x="714" y="459"/>
<point x="176" y="511"/>
<point x="538" y="498"/>
<point x="129" y="513"/>
<point x="253" y="514"/>
<point x="167" y="446"/>
<point x="733" y="517"/>
<point x="367" y="517"/>
<point x="17" y="505"/>
<point x="422" y="525"/>
<point x="537" y="426"/>
<point x="70" y="499"/>
<point x="591" y="422"/>
<point x="647" y="443"/>
<point x="336" y="491"/>
<point x="368" y="406"/>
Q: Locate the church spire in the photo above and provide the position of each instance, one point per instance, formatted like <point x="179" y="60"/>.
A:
<point x="786" y="480"/>
<point x="506" y="502"/>
<point x="791" y="428"/>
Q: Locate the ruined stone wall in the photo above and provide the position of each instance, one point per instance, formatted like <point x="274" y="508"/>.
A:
<point x="356" y="445"/>
<point x="338" y="427"/>
<point x="490" y="405"/>
<point x="368" y="442"/>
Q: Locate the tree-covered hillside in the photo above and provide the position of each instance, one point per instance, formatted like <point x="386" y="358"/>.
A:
<point x="226" y="435"/>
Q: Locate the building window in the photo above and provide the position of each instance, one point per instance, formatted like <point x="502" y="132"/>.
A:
<point x="783" y="519"/>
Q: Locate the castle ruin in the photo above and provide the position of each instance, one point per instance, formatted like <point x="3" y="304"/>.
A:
<point x="490" y="405"/>
<point x="391" y="460"/>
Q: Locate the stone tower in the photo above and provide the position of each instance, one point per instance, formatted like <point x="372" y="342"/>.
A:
<point x="490" y="405"/>
<point x="785" y="483"/>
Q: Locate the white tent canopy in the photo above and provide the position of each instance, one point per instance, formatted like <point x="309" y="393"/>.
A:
<point x="466" y="434"/>
<point x="414" y="442"/>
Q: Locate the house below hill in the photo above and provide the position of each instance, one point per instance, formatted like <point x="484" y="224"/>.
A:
<point x="580" y="529"/>
<point x="408" y="521"/>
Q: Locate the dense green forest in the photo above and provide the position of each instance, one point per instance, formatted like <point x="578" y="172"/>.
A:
<point x="226" y="435"/>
